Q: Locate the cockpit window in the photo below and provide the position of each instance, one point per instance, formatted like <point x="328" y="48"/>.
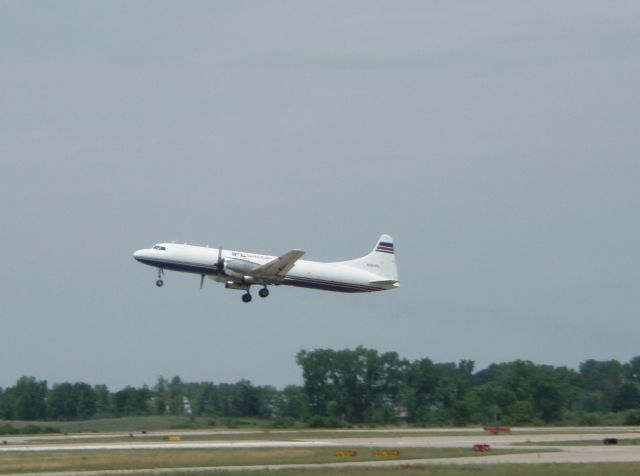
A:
<point x="161" y="248"/>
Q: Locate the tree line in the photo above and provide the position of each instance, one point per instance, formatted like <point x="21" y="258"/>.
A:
<point x="360" y="386"/>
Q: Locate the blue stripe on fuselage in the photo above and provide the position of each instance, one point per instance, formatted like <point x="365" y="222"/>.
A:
<point x="180" y="266"/>
<point x="328" y="285"/>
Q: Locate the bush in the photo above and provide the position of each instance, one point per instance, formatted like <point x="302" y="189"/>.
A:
<point x="325" y="422"/>
<point x="184" y="426"/>
<point x="8" y="429"/>
<point x="590" y="419"/>
<point x="31" y="430"/>
<point x="382" y="415"/>
<point x="283" y="423"/>
<point x="632" y="418"/>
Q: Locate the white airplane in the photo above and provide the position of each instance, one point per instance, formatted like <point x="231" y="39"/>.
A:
<point x="239" y="270"/>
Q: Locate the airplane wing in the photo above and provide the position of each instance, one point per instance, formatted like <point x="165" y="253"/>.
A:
<point x="278" y="267"/>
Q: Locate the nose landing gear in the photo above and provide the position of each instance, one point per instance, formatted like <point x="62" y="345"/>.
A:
<point x="160" y="282"/>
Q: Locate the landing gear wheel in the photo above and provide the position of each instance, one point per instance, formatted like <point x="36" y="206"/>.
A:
<point x="263" y="293"/>
<point x="159" y="283"/>
<point x="246" y="297"/>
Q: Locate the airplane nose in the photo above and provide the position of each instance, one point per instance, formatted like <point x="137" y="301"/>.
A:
<point x="137" y="254"/>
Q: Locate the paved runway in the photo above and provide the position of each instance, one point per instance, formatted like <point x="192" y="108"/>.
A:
<point x="452" y="438"/>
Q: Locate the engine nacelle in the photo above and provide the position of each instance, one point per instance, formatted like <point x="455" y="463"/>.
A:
<point x="238" y="268"/>
<point x="234" y="285"/>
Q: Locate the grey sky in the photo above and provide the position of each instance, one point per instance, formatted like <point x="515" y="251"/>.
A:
<point x="497" y="142"/>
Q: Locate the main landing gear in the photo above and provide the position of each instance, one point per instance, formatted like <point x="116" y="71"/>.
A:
<point x="263" y="293"/>
<point x="160" y="282"/>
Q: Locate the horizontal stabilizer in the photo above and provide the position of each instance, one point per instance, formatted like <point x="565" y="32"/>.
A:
<point x="386" y="283"/>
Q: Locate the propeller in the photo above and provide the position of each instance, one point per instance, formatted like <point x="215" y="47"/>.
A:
<point x="219" y="267"/>
<point x="220" y="263"/>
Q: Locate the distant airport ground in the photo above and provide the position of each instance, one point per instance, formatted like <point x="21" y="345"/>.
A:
<point x="447" y="451"/>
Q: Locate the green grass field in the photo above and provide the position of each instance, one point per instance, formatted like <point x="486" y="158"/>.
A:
<point x="147" y="423"/>
<point x="20" y="462"/>
<point x="621" y="469"/>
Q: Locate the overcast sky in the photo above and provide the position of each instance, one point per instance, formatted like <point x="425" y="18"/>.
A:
<point x="496" y="141"/>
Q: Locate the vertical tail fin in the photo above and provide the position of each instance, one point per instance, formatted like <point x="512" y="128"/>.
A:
<point x="385" y="245"/>
<point x="381" y="261"/>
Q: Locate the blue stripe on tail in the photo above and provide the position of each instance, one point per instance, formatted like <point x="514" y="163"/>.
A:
<point x="385" y="247"/>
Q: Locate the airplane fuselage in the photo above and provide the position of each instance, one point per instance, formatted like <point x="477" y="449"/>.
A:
<point x="240" y="270"/>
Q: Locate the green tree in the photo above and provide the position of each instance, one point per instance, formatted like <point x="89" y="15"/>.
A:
<point x="519" y="378"/>
<point x="69" y="401"/>
<point x="26" y="400"/>
<point x="632" y="370"/>
<point x="292" y="403"/>
<point x="603" y="376"/>
<point x="104" y="401"/>
<point x="132" y="401"/>
<point x="62" y="402"/>
<point x="207" y="400"/>
<point x="628" y="397"/>
<point x="354" y="385"/>
<point x="86" y="400"/>
<point x="160" y="396"/>
<point x="521" y="412"/>
<point x="489" y="402"/>
<point x="318" y="370"/>
<point x="226" y="400"/>
<point x="419" y="395"/>
<point x="176" y="396"/>
<point x="547" y="396"/>
<point x="246" y="401"/>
